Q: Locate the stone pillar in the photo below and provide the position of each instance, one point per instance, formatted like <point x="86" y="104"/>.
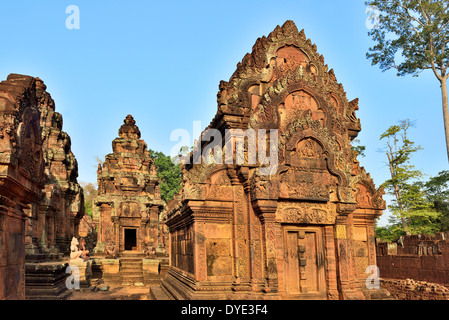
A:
<point x="200" y="251"/>
<point x="142" y="235"/>
<point x="51" y="230"/>
<point x="346" y="266"/>
<point x="331" y="263"/>
<point x="42" y="228"/>
<point x="115" y="237"/>
<point x="255" y="242"/>
<point x="71" y="231"/>
<point x="267" y="214"/>
<point x="241" y="240"/>
<point x="82" y="271"/>
<point x="31" y="241"/>
<point x="371" y="239"/>
<point x="152" y="229"/>
<point x="103" y="237"/>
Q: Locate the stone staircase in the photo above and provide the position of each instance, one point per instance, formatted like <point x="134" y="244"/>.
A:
<point x="158" y="293"/>
<point x="131" y="270"/>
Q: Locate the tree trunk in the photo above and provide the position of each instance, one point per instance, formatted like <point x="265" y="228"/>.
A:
<point x="445" y="112"/>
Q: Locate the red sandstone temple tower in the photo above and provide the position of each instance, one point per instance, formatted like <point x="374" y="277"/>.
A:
<point x="306" y="229"/>
<point x="128" y="194"/>
<point x="55" y="219"/>
<point x="21" y="177"/>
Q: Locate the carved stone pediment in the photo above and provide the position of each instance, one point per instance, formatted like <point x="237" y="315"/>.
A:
<point x="307" y="213"/>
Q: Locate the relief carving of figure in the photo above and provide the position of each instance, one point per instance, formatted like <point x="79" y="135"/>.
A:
<point x="149" y="250"/>
<point x="110" y="251"/>
<point x="309" y="149"/>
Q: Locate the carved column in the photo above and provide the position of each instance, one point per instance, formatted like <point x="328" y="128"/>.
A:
<point x="254" y="234"/>
<point x="31" y="240"/>
<point x="50" y="229"/>
<point x="331" y="263"/>
<point x="256" y="256"/>
<point x="267" y="214"/>
<point x="71" y="231"/>
<point x="341" y="242"/>
<point x="241" y="238"/>
<point x="153" y="219"/>
<point x="200" y="251"/>
<point x="344" y="245"/>
<point x="371" y="240"/>
<point x="115" y="236"/>
<point x="41" y="222"/>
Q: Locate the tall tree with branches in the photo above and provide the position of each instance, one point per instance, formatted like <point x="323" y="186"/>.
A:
<point x="419" y="31"/>
<point x="410" y="204"/>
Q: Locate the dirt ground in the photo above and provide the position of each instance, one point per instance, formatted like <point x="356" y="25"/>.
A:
<point x="113" y="293"/>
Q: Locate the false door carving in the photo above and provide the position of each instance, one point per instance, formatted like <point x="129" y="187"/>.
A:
<point x="304" y="262"/>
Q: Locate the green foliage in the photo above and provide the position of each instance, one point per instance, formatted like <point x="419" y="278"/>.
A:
<point x="359" y="148"/>
<point x="90" y="192"/>
<point x="430" y="209"/>
<point x="416" y="29"/>
<point x="169" y="172"/>
<point x="410" y="203"/>
<point x="437" y="192"/>
<point x="418" y="207"/>
<point x="391" y="232"/>
<point x="399" y="150"/>
<point x="412" y="36"/>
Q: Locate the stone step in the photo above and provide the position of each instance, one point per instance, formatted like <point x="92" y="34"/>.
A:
<point x="156" y="293"/>
<point x="127" y="255"/>
<point x="136" y="261"/>
<point x="132" y="273"/>
<point x="130" y="267"/>
<point x="131" y="258"/>
<point x="134" y="264"/>
<point x="170" y="291"/>
<point x="132" y="280"/>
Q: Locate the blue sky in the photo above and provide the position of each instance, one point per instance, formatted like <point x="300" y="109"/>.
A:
<point x="162" y="63"/>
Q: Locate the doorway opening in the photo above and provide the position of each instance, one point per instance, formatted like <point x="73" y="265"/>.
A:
<point x="130" y="239"/>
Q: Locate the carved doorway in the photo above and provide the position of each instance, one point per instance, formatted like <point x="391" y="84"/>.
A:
<point x="130" y="239"/>
<point x="304" y="262"/>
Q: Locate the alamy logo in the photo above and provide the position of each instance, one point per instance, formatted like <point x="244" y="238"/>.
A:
<point x="372" y="281"/>
<point x="73" y="20"/>
<point x="73" y="281"/>
<point x="240" y="147"/>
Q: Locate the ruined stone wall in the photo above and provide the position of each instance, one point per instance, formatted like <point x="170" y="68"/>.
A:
<point x="409" y="289"/>
<point x="21" y="176"/>
<point x="417" y="257"/>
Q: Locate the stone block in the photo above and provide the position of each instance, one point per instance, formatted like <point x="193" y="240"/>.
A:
<point x="85" y="271"/>
<point x="46" y="281"/>
<point x="360" y="234"/>
<point x="151" y="271"/>
<point x="217" y="230"/>
<point x="110" y="266"/>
